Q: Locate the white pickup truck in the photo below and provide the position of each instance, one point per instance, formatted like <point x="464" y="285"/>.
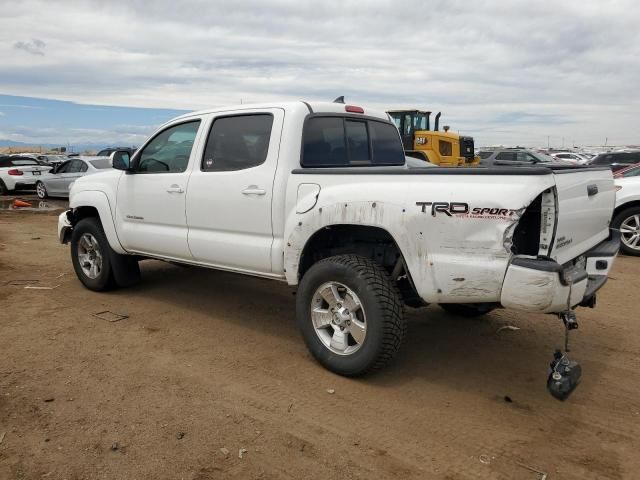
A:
<point x="318" y="195"/>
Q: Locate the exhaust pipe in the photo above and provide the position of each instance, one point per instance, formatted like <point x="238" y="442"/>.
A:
<point x="435" y="127"/>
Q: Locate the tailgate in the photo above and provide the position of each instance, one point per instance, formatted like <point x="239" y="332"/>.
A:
<point x="585" y="199"/>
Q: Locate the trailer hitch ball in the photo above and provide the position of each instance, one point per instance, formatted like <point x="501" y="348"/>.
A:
<point x="564" y="376"/>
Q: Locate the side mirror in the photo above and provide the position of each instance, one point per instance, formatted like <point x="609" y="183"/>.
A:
<point x="120" y="160"/>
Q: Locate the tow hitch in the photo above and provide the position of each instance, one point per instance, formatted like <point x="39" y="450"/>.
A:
<point x="564" y="373"/>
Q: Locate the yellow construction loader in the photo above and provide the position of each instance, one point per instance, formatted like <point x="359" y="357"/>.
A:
<point x="438" y="147"/>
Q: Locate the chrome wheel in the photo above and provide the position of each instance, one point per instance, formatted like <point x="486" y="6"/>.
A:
<point x="41" y="190"/>
<point x="338" y="318"/>
<point x="630" y="231"/>
<point x="89" y="256"/>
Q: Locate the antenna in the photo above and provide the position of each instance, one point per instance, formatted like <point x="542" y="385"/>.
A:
<point x="340" y="99"/>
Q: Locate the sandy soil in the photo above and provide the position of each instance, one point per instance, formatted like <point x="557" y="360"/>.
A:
<point x="209" y="363"/>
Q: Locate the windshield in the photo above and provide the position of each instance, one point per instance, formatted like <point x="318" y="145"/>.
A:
<point x="101" y="164"/>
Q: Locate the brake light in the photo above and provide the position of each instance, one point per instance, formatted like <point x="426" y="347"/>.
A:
<point x="15" y="171"/>
<point x="354" y="109"/>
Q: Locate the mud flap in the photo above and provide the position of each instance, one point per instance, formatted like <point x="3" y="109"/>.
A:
<point x="126" y="271"/>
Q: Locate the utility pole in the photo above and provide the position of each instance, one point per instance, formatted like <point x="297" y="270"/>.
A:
<point x="548" y="145"/>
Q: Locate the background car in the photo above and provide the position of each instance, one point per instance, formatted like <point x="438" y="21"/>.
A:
<point x="626" y="216"/>
<point x="17" y="172"/>
<point x="617" y="160"/>
<point x="57" y="182"/>
<point x="108" y="151"/>
<point x="516" y="157"/>
<point x="572" y="157"/>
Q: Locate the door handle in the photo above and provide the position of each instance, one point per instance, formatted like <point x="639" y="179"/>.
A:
<point x="253" y="190"/>
<point x="175" y="189"/>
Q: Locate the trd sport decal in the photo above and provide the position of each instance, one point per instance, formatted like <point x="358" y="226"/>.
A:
<point x="462" y="209"/>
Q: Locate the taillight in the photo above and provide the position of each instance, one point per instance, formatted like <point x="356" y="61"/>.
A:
<point x="354" y="109"/>
<point x="15" y="171"/>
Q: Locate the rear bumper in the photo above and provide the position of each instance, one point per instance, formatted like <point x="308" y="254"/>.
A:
<point x="543" y="285"/>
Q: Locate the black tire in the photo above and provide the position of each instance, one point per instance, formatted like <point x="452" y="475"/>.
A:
<point x="3" y="188"/>
<point x="41" y="190"/>
<point x="618" y="220"/>
<point x="381" y="302"/>
<point x="469" y="310"/>
<point x="117" y="270"/>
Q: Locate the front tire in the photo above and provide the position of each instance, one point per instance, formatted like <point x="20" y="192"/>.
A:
<point x="628" y="222"/>
<point x="3" y="188"/>
<point x="350" y="315"/>
<point x="41" y="191"/>
<point x="90" y="254"/>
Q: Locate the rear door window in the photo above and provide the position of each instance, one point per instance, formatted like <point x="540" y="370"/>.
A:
<point x="237" y="143"/>
<point x="343" y="141"/>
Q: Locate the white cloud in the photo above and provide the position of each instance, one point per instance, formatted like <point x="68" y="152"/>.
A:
<point x="505" y="72"/>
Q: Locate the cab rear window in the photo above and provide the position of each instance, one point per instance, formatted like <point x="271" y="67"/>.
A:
<point x="347" y="141"/>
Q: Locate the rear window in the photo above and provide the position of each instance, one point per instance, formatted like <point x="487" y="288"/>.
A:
<point x="23" y="162"/>
<point x="101" y="164"/>
<point x="346" y="141"/>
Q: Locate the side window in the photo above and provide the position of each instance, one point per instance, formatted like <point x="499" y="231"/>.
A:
<point x="408" y="123"/>
<point x="509" y="156"/>
<point x="237" y="143"/>
<point x="64" y="168"/>
<point x="169" y="151"/>
<point x="75" y="166"/>
<point x="83" y="167"/>
<point x="525" y="157"/>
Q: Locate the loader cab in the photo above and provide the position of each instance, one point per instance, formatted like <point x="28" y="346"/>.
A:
<point x="408" y="122"/>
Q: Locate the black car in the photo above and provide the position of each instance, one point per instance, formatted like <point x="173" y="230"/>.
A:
<point x="616" y="160"/>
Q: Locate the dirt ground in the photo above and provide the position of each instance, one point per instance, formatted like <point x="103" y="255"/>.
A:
<point x="209" y="363"/>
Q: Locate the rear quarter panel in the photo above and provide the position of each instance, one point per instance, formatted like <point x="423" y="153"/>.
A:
<point x="451" y="257"/>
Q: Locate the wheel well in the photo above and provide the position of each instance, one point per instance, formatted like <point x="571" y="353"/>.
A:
<point x="370" y="242"/>
<point x="83" y="212"/>
<point x="624" y="206"/>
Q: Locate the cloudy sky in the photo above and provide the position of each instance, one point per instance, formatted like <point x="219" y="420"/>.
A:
<point x="506" y="72"/>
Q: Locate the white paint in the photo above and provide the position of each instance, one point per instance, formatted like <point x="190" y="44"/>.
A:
<point x="257" y="221"/>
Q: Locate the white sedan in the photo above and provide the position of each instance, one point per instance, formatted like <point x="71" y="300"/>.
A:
<point x="57" y="182"/>
<point x="19" y="173"/>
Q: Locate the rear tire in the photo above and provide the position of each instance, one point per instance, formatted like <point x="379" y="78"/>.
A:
<point x="350" y="315"/>
<point x="628" y="222"/>
<point x="469" y="310"/>
<point x="41" y="191"/>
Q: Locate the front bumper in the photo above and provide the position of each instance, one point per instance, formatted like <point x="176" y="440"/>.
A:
<point x="64" y="227"/>
<point x="543" y="285"/>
